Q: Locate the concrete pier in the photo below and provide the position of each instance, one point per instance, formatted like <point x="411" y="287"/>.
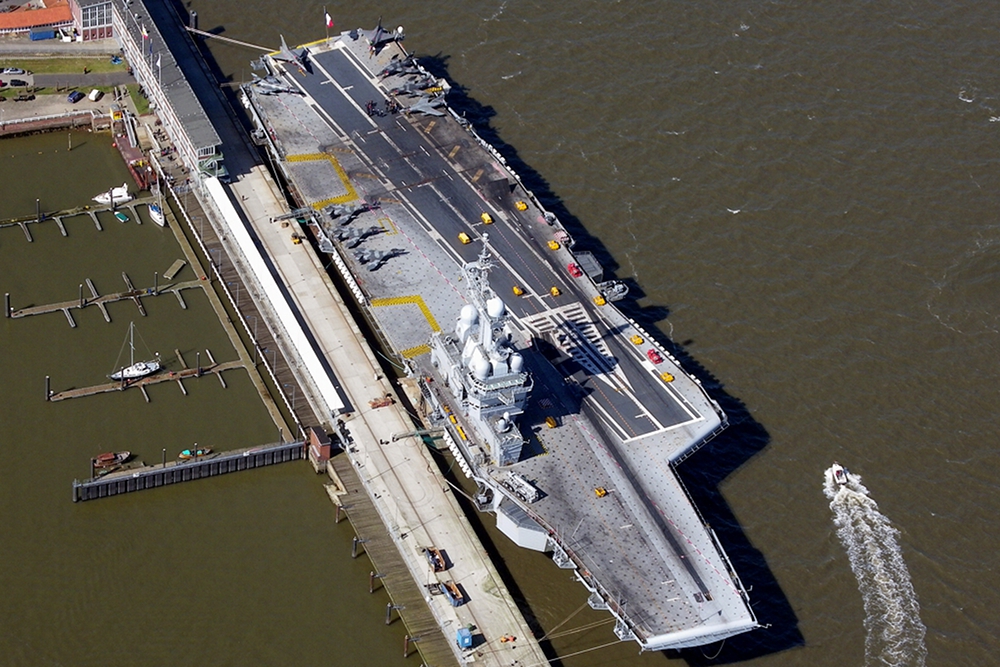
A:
<point x="175" y="472"/>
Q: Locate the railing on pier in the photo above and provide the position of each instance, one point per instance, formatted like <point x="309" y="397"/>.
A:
<point x="175" y="472"/>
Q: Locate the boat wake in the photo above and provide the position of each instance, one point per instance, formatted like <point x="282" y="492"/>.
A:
<point x="892" y="612"/>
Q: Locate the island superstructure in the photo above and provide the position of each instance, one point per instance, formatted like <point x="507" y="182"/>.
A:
<point x="569" y="417"/>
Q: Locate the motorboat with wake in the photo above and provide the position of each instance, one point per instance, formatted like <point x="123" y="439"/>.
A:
<point x="114" y="196"/>
<point x="135" y="369"/>
<point x="839" y="474"/>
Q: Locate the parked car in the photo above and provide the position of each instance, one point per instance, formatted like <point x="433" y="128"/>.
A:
<point x="18" y="83"/>
<point x="2" y="84"/>
<point x="75" y="97"/>
<point x="654" y="356"/>
<point x="574" y="270"/>
<point x="12" y="70"/>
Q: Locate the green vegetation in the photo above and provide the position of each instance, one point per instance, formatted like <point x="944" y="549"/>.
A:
<point x="64" y="65"/>
<point x="140" y="102"/>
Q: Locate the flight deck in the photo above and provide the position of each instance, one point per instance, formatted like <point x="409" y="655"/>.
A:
<point x="404" y="198"/>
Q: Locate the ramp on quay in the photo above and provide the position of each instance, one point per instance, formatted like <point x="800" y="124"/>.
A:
<point x="423" y="512"/>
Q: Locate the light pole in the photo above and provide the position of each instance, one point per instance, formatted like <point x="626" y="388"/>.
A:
<point x="254" y="318"/>
<point x="217" y="262"/>
<point x="274" y="364"/>
<point x="293" y="396"/>
<point x="237" y="283"/>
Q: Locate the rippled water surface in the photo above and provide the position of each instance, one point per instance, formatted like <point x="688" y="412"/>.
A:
<point x="806" y="194"/>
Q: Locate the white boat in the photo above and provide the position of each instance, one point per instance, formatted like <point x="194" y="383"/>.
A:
<point x="135" y="369"/>
<point x="114" y="196"/>
<point x="839" y="473"/>
<point x="156" y="214"/>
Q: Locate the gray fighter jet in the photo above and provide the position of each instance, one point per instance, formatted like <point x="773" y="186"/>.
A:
<point x="352" y="236"/>
<point x="272" y="85"/>
<point x="430" y="106"/>
<point x="379" y="37"/>
<point x="417" y="87"/>
<point x="299" y="59"/>
<point x="347" y="212"/>
<point x="376" y="258"/>
<point x="402" y="66"/>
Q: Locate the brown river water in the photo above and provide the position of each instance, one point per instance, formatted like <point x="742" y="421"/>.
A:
<point x="806" y="194"/>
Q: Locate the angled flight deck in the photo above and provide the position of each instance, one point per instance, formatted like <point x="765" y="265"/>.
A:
<point x="411" y="205"/>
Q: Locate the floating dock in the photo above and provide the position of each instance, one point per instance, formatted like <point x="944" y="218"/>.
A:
<point x="175" y="472"/>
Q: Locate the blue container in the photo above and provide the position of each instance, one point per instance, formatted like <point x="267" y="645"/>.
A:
<point x="42" y="33"/>
<point x="464" y="638"/>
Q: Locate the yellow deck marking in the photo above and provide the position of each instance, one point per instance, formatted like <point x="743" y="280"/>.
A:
<point x="430" y="126"/>
<point x="477" y="175"/>
<point x="454" y="151"/>
<point x="388" y="225"/>
<point x="415" y="351"/>
<point x="406" y="300"/>
<point x="351" y="194"/>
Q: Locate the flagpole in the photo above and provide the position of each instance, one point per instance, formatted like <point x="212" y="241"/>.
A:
<point x="326" y="22"/>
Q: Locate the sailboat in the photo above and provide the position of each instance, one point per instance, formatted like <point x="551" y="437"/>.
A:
<point x="135" y="369"/>
<point x="156" y="210"/>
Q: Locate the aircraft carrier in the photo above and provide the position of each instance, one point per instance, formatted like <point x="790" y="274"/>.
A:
<point x="569" y="417"/>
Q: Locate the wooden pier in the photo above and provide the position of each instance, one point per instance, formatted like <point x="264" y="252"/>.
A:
<point x="100" y="300"/>
<point x="163" y="376"/>
<point x="406" y="595"/>
<point x="175" y="472"/>
<point x="92" y="211"/>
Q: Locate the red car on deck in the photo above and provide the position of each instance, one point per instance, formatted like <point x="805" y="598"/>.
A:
<point x="574" y="270"/>
<point x="654" y="356"/>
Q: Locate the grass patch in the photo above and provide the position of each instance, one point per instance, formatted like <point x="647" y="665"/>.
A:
<point x="64" y="65"/>
<point x="140" y="102"/>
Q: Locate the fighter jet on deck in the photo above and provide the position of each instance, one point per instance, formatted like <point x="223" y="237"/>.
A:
<point x="352" y="236"/>
<point x="379" y="37"/>
<point x="415" y="87"/>
<point x="427" y="106"/>
<point x="402" y="66"/>
<point x="347" y="212"/>
<point x="376" y="258"/>
<point x="272" y="85"/>
<point x="299" y="59"/>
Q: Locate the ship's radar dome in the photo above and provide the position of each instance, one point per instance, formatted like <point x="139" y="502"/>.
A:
<point x="516" y="363"/>
<point x="469" y="314"/>
<point x="495" y="307"/>
<point x="479" y="365"/>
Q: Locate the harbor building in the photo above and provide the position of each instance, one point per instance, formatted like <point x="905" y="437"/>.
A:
<point x="92" y="19"/>
<point x="159" y="66"/>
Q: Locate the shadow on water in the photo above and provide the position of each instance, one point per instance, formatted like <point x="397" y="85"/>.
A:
<point x="705" y="470"/>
